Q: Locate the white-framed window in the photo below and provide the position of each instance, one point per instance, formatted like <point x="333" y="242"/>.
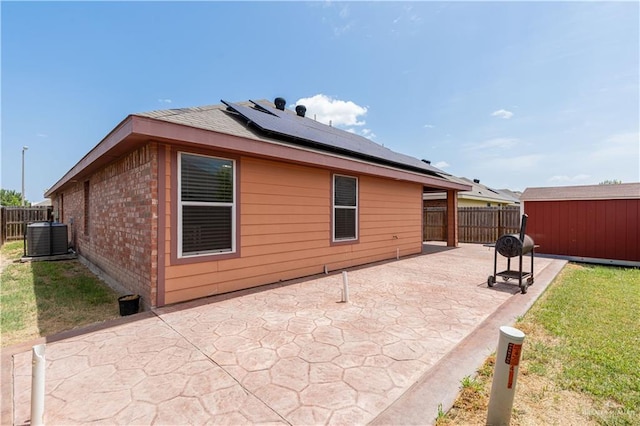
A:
<point x="345" y="208"/>
<point x="207" y="205"/>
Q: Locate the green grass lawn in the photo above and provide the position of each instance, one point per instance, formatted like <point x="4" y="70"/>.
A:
<point x="581" y="355"/>
<point x="43" y="298"/>
<point x="594" y="311"/>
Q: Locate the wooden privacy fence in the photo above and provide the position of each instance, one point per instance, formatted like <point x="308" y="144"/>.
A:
<point x="435" y="224"/>
<point x="475" y="224"/>
<point x="14" y="219"/>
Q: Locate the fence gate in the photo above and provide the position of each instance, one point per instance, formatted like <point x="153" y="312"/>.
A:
<point x="14" y="219"/>
<point x="435" y="224"/>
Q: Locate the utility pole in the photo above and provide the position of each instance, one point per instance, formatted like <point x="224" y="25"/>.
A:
<point x="24" y="148"/>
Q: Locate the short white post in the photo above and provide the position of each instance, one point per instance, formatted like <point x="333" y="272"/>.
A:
<point x="505" y="376"/>
<point x="345" y="287"/>
<point x="397" y="254"/>
<point x="37" y="385"/>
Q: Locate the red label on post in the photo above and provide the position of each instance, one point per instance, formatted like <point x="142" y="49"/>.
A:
<point x="510" y="383"/>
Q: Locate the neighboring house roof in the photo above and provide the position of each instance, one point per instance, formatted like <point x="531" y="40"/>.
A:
<point x="514" y="194"/>
<point x="42" y="203"/>
<point x="254" y="121"/>
<point x="478" y="192"/>
<point x="585" y="192"/>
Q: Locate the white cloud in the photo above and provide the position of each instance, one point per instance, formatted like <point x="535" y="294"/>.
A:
<point x="338" y="31"/>
<point x="568" y="179"/>
<point x="367" y="133"/>
<point x="518" y="164"/>
<point x="337" y="112"/>
<point x="42" y="135"/>
<point x="616" y="147"/>
<point x="338" y="18"/>
<point x="429" y="126"/>
<point x="442" y="164"/>
<point x="500" y="143"/>
<point x="344" y="12"/>
<point x="164" y="101"/>
<point x="502" y="113"/>
<point x="615" y="157"/>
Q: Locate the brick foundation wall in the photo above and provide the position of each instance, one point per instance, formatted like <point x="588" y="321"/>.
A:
<point x="121" y="237"/>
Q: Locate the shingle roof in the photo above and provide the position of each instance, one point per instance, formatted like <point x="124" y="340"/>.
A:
<point x="584" y="192"/>
<point x="478" y="192"/>
<point x="513" y="194"/>
<point x="209" y="117"/>
<point x="138" y="128"/>
<point x="217" y="118"/>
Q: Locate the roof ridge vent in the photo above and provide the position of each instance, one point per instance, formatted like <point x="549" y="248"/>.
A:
<point x="301" y="110"/>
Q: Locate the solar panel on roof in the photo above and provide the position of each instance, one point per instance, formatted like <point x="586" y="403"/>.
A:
<point x="303" y="129"/>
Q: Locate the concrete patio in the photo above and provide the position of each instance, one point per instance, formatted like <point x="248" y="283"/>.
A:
<point x="288" y="353"/>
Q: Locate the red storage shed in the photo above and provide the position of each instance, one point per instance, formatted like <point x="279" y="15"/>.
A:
<point x="593" y="223"/>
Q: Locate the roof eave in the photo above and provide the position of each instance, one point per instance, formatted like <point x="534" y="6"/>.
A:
<point x="146" y="128"/>
<point x="117" y="135"/>
<point x="278" y="150"/>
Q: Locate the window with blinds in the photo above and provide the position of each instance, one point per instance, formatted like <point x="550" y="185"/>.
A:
<point x="345" y="208"/>
<point x="207" y="205"/>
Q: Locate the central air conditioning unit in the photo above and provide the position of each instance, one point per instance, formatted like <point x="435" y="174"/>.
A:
<point x="46" y="239"/>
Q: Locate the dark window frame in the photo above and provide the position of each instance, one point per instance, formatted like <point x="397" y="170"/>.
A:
<point x="342" y="207"/>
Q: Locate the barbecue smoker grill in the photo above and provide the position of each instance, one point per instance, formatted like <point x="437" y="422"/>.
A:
<point x="514" y="245"/>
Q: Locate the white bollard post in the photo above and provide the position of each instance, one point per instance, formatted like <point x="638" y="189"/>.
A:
<point x="37" y="385"/>
<point x="505" y="376"/>
<point x="345" y="287"/>
<point x="397" y="254"/>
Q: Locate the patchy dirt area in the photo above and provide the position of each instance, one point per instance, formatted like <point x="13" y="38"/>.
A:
<point x="4" y="261"/>
<point x="538" y="399"/>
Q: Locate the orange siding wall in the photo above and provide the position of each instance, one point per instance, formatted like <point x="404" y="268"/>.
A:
<point x="285" y="229"/>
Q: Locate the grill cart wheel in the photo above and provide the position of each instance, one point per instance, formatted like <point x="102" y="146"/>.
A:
<point x="524" y="288"/>
<point x="529" y="280"/>
<point x="491" y="281"/>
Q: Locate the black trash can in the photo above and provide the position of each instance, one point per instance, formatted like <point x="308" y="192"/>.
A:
<point x="129" y="304"/>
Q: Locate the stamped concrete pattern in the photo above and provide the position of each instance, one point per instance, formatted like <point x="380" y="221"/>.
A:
<point x="291" y="353"/>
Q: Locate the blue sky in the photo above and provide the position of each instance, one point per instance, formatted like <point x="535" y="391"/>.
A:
<point x="514" y="94"/>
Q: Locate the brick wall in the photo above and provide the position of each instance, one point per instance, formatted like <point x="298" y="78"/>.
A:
<point x="121" y="238"/>
<point x="435" y="203"/>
